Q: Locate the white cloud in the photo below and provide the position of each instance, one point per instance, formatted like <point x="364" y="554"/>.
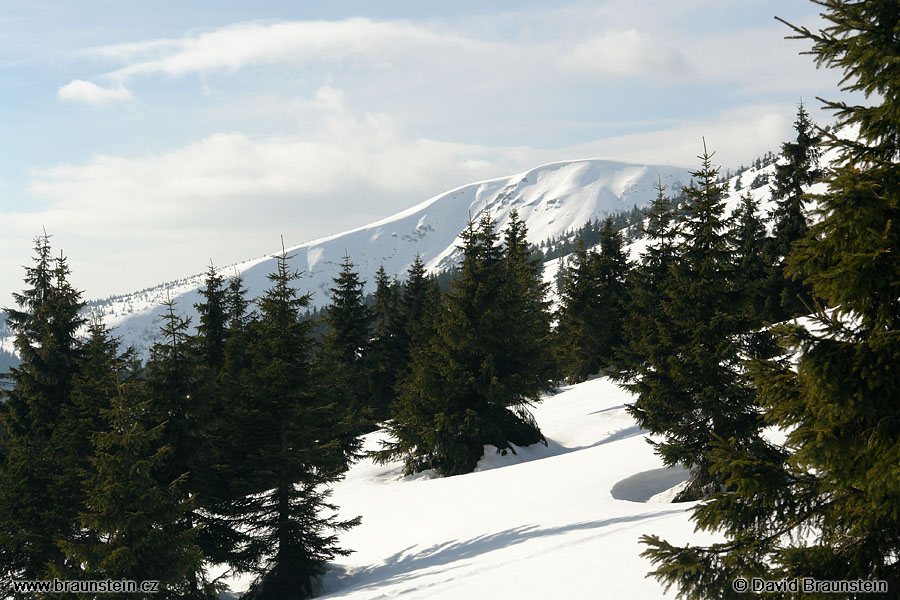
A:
<point x="79" y="90"/>
<point x="342" y="157"/>
<point x="736" y="136"/>
<point x="629" y="53"/>
<point x="356" y="40"/>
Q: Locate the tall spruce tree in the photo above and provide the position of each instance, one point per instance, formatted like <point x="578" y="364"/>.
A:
<point x="825" y="504"/>
<point x="184" y="413"/>
<point x="39" y="496"/>
<point x="135" y="524"/>
<point x="647" y="330"/>
<point x="293" y="454"/>
<point x="592" y="310"/>
<point x="217" y="393"/>
<point x="341" y="363"/>
<point x="752" y="268"/>
<point x="212" y="324"/>
<point x="389" y="349"/>
<point x="529" y="363"/>
<point x="419" y="306"/>
<point x="695" y="390"/>
<point x="576" y="346"/>
<point x="226" y="535"/>
<point x="466" y="388"/>
<point x="171" y="387"/>
<point x="797" y="169"/>
<point x="611" y="271"/>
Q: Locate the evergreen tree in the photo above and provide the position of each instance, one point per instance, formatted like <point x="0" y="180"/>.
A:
<point x="389" y="350"/>
<point x="592" y="309"/>
<point x="291" y="460"/>
<point x="171" y="387"/>
<point x="340" y="365"/>
<point x="825" y="504"/>
<point x="611" y="271"/>
<point x="798" y="168"/>
<point x="528" y="363"/>
<point x="39" y="497"/>
<point x="751" y="267"/>
<point x="217" y="391"/>
<point x="135" y="524"/>
<point x="577" y="348"/>
<point x="647" y="330"/>
<point x="226" y="535"/>
<point x="694" y="390"/>
<point x="466" y="388"/>
<point x="213" y="322"/>
<point x="419" y="306"/>
<point x="179" y="407"/>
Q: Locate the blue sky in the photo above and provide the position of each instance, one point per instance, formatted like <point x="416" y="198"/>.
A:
<point x="150" y="137"/>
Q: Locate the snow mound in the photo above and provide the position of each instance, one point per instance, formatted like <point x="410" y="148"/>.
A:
<point x="643" y="486"/>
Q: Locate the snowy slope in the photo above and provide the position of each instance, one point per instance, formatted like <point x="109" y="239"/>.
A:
<point x="552" y="199"/>
<point x="542" y="524"/>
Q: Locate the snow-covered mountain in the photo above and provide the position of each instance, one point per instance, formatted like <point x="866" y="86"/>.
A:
<point x="552" y="199"/>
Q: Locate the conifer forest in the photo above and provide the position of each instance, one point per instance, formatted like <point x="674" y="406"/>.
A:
<point x="754" y="341"/>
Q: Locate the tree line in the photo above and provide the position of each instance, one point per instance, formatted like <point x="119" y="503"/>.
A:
<point x="223" y="446"/>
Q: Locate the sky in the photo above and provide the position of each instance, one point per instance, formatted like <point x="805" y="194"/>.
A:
<point x="149" y="138"/>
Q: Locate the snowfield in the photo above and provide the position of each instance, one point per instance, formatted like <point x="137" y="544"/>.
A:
<point x="543" y="523"/>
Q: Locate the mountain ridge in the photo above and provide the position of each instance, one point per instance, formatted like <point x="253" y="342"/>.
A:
<point x="552" y="199"/>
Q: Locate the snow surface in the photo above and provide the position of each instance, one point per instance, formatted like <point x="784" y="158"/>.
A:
<point x="543" y="523"/>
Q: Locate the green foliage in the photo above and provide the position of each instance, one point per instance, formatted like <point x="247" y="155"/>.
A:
<point x="826" y="504"/>
<point x="648" y="332"/>
<point x="798" y="168"/>
<point x="39" y="496"/>
<point x="389" y="352"/>
<point x="591" y="313"/>
<point x="293" y="452"/>
<point x="136" y="521"/>
<point x="470" y="384"/>
<point x="689" y="385"/>
<point x="341" y="367"/>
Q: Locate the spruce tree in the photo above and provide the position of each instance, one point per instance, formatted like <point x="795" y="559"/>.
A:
<point x="592" y="309"/>
<point x="179" y="407"/>
<point x="225" y="535"/>
<point x="695" y="389"/>
<point x="824" y="505"/>
<point x="419" y="306"/>
<point x="576" y="347"/>
<point x="136" y="520"/>
<point x="751" y="265"/>
<point x="467" y="387"/>
<point x="647" y="331"/>
<point x="171" y="387"/>
<point x="528" y="361"/>
<point x="292" y="459"/>
<point x="389" y="349"/>
<point x="797" y="169"/>
<point x="611" y="270"/>
<point x="39" y="497"/>
<point x="341" y="362"/>
<point x="216" y="394"/>
<point x="213" y="315"/>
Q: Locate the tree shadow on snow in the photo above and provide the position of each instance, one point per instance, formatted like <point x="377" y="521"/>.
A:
<point x="408" y="565"/>
<point x="642" y="486"/>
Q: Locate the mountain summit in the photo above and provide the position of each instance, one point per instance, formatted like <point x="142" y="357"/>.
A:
<point x="552" y="199"/>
